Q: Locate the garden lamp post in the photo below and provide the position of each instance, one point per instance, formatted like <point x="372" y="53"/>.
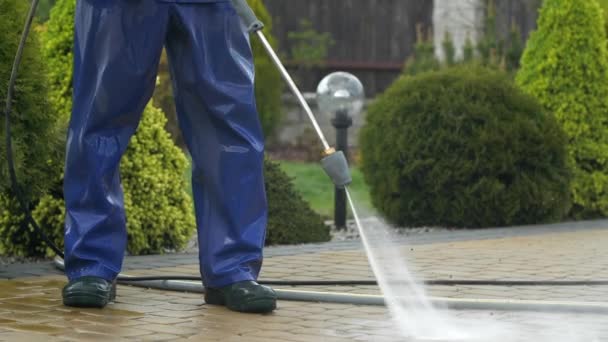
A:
<point x="342" y="94"/>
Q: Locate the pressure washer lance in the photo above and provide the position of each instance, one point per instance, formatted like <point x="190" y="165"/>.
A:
<point x="334" y="163"/>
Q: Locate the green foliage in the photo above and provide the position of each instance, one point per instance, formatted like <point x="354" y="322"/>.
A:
<point x="490" y="50"/>
<point x="448" y="49"/>
<point x="423" y="59"/>
<point x="290" y="218"/>
<point x="604" y="5"/>
<point x="15" y="236"/>
<point x="19" y="239"/>
<point x="463" y="147"/>
<point x="159" y="211"/>
<point x="268" y="83"/>
<point x="58" y="42"/>
<point x="488" y="46"/>
<point x="495" y="51"/>
<point x="36" y="140"/>
<point x="515" y="49"/>
<point x="37" y="143"/>
<point x="309" y="48"/>
<point x="565" y="66"/>
<point x="468" y="51"/>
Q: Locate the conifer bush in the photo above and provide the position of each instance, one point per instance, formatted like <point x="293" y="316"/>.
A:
<point x="37" y="142"/>
<point x="565" y="66"/>
<point x="463" y="147"/>
<point x="290" y="218"/>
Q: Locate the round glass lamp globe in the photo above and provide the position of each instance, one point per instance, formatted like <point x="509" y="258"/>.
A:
<point x="340" y="91"/>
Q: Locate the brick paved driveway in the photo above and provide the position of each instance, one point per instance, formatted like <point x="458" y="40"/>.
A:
<point x="30" y="307"/>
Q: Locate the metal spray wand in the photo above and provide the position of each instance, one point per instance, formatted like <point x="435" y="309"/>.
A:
<point x="334" y="162"/>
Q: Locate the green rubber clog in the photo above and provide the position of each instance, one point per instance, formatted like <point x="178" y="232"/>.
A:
<point x="245" y="296"/>
<point x="89" y="292"/>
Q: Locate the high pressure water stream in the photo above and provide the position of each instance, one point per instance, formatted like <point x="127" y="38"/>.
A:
<point x="414" y="315"/>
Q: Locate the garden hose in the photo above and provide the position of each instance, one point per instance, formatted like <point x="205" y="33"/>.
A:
<point x="193" y="283"/>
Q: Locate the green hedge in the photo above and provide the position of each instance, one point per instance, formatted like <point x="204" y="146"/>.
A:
<point x="58" y="42"/>
<point x="37" y="140"/>
<point x="565" y="66"/>
<point x="37" y="146"/>
<point x="463" y="147"/>
<point x="290" y="218"/>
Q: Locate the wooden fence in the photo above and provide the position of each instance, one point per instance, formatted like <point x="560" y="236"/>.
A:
<point x="373" y="38"/>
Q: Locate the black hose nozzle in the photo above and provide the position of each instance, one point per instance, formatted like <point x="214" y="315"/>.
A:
<point x="249" y="18"/>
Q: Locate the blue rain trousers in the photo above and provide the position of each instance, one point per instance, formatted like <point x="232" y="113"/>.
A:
<point x="117" y="48"/>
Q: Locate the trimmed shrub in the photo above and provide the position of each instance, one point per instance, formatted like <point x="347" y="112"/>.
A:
<point x="565" y="66"/>
<point x="604" y="5"/>
<point x="37" y="143"/>
<point x="290" y="218"/>
<point x="58" y="42"/>
<point x="268" y="83"/>
<point x="463" y="147"/>
<point x="159" y="210"/>
<point x="423" y="58"/>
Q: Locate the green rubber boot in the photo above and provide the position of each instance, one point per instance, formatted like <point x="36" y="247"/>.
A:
<point x="89" y="292"/>
<point x="245" y="296"/>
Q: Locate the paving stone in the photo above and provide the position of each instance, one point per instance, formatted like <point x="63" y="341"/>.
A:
<point x="31" y="306"/>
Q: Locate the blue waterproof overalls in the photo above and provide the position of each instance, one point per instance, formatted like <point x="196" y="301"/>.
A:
<point x="117" y="49"/>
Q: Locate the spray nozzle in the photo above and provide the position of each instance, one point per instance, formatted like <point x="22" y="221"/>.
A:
<point x="336" y="166"/>
<point x="247" y="15"/>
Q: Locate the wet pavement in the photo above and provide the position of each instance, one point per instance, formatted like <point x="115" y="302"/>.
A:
<point x="31" y="309"/>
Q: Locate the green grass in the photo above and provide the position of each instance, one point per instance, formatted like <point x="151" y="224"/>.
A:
<point x="316" y="188"/>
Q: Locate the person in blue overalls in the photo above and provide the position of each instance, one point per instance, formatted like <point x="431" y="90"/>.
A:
<point x="117" y="48"/>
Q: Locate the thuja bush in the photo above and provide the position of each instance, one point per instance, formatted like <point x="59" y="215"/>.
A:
<point x="37" y="144"/>
<point x="565" y="66"/>
<point x="463" y="147"/>
<point x="290" y="218"/>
